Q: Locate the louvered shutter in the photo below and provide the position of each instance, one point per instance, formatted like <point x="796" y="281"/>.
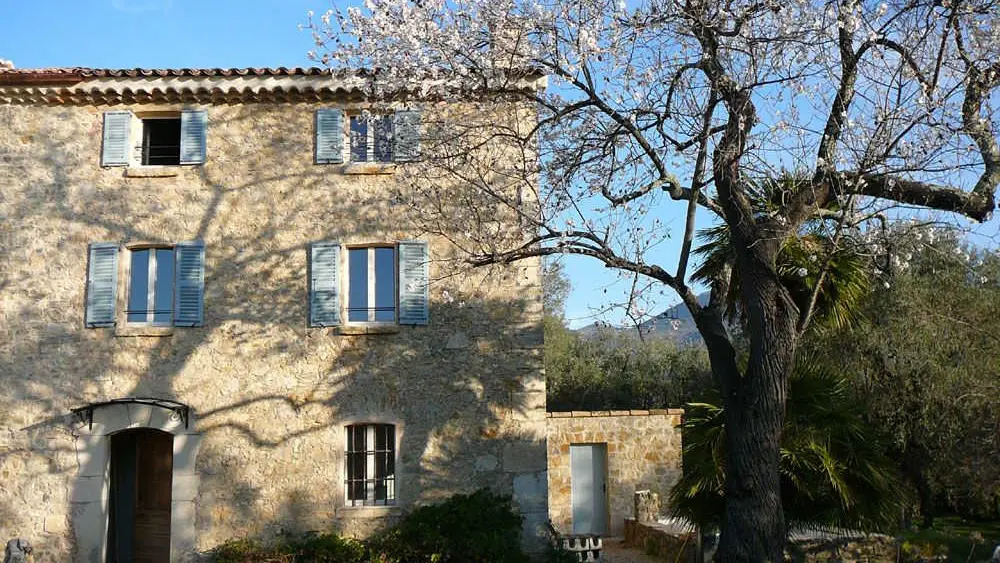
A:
<point x="406" y="135"/>
<point x="102" y="284"/>
<point x="414" y="278"/>
<point x="329" y="136"/>
<point x="324" y="294"/>
<point x="115" y="145"/>
<point x="194" y="123"/>
<point x="189" y="283"/>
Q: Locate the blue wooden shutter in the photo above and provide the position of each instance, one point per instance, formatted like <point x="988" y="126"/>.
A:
<point x="189" y="283"/>
<point x="324" y="284"/>
<point x="115" y="145"/>
<point x="406" y="135"/>
<point x="329" y="136"/>
<point x="414" y="278"/>
<point x="194" y="122"/>
<point x="102" y="284"/>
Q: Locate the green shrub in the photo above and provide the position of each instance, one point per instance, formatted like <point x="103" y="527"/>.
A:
<point x="312" y="548"/>
<point x="477" y="528"/>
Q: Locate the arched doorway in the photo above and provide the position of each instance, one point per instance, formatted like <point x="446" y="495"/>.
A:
<point x="108" y="435"/>
<point x="139" y="497"/>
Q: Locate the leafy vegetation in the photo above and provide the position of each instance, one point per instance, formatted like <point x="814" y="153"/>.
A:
<point x="834" y="472"/>
<point x="618" y="370"/>
<point x="925" y="358"/>
<point x="477" y="528"/>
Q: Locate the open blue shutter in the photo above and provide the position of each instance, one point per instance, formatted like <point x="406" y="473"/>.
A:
<point x="115" y="144"/>
<point x="329" y="136"/>
<point x="189" y="284"/>
<point x="406" y="135"/>
<point x="102" y="284"/>
<point x="414" y="278"/>
<point x="324" y="285"/>
<point x="194" y="122"/>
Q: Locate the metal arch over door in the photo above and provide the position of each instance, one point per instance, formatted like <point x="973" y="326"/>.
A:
<point x="141" y="484"/>
<point x="588" y="487"/>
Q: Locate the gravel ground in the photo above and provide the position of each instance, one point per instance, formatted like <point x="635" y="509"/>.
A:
<point x="615" y="552"/>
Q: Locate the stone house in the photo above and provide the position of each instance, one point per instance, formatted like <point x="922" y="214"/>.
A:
<point x="217" y="321"/>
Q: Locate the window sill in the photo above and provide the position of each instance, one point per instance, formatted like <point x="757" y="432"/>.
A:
<point x="361" y="329"/>
<point x="152" y="171"/>
<point x="140" y="330"/>
<point x="371" y="511"/>
<point x="369" y="168"/>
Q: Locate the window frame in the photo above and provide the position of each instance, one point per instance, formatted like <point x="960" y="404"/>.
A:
<point x="370" y="138"/>
<point x="152" y="273"/>
<point x="371" y="281"/>
<point x="391" y="485"/>
<point x="145" y="136"/>
<point x="122" y="325"/>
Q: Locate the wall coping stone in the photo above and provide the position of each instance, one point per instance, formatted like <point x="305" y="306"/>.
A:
<point x="590" y="414"/>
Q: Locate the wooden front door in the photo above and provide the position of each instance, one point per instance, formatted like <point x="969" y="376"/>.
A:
<point x="142" y="463"/>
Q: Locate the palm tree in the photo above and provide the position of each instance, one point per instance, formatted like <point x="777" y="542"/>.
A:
<point x="834" y="470"/>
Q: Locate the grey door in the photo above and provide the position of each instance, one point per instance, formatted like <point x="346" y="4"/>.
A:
<point x="588" y="487"/>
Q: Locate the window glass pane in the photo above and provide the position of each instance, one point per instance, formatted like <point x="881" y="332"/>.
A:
<point x="357" y="298"/>
<point x="138" y="287"/>
<point x="163" y="295"/>
<point x="385" y="284"/>
<point x="383" y="139"/>
<point x="359" y="139"/>
<point x="356" y="463"/>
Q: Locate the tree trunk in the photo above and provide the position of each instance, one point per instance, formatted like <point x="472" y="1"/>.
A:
<point x="753" y="526"/>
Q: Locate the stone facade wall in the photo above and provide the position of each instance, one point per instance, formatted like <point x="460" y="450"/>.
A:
<point x="644" y="453"/>
<point x="270" y="396"/>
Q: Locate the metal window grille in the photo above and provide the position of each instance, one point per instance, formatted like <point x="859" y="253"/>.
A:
<point x="371" y="465"/>
<point x="161" y="141"/>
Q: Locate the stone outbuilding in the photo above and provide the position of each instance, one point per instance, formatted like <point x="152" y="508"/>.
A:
<point x="597" y="460"/>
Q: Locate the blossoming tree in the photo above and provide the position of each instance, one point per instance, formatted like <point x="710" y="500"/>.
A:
<point x="691" y="108"/>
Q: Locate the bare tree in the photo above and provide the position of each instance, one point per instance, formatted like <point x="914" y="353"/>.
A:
<point x="864" y="106"/>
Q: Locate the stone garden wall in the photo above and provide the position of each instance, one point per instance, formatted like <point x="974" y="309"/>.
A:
<point x="644" y="453"/>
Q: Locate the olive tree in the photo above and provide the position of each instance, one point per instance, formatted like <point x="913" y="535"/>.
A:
<point x="664" y="116"/>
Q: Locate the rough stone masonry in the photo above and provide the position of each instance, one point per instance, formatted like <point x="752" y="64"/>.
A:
<point x="263" y="450"/>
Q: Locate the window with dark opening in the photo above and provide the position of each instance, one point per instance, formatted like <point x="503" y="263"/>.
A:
<point x="371" y="465"/>
<point x="161" y="142"/>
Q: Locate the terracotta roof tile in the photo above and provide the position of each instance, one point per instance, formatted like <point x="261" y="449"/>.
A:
<point x="85" y="72"/>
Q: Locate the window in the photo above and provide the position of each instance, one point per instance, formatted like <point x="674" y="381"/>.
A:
<point x="371" y="465"/>
<point x="371" y="295"/>
<point x="371" y="138"/>
<point x="163" y="286"/>
<point x="154" y="138"/>
<point x="377" y="284"/>
<point x="161" y="141"/>
<point x="151" y="287"/>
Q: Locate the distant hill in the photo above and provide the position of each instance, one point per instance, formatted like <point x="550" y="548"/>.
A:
<point x="674" y="323"/>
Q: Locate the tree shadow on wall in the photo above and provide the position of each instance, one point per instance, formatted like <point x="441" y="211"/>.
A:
<point x="270" y="395"/>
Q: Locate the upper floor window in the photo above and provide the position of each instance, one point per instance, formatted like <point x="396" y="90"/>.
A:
<point x="372" y="138"/>
<point x="161" y="141"/>
<point x="372" y="284"/>
<point x="154" y="138"/>
<point x="164" y="285"/>
<point x="371" y="465"/>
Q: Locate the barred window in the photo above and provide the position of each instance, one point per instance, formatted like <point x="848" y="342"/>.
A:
<point x="371" y="465"/>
